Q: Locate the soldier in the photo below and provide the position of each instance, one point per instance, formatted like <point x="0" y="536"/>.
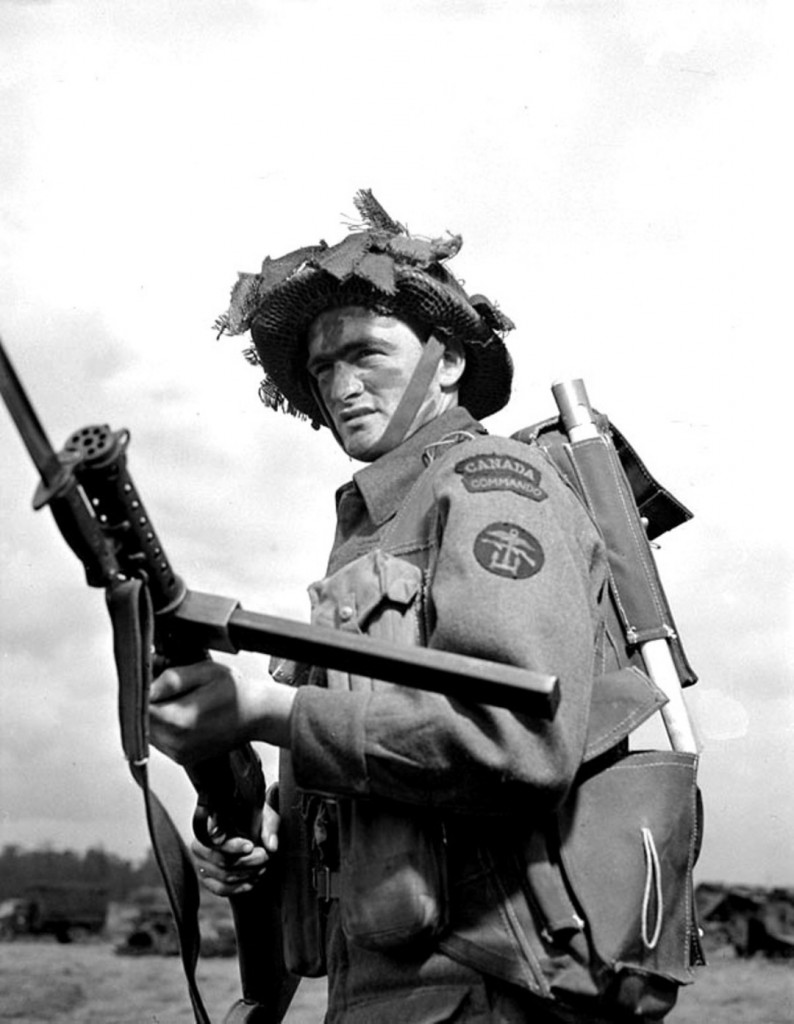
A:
<point x="407" y="817"/>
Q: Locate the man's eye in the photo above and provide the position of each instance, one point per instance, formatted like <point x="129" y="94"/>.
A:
<point x="368" y="355"/>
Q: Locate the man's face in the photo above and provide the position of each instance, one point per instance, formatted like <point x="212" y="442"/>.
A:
<point x="361" y="364"/>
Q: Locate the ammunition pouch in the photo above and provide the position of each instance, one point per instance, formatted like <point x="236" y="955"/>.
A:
<point x="392" y="888"/>
<point x="609" y="883"/>
<point x="590" y="907"/>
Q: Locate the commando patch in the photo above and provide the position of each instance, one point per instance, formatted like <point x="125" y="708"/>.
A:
<point x="501" y="473"/>
<point x="506" y="549"/>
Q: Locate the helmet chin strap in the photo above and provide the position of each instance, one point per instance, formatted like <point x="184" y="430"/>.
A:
<point x="408" y="406"/>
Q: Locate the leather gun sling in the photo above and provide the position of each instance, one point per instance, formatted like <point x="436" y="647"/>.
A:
<point x="130" y="610"/>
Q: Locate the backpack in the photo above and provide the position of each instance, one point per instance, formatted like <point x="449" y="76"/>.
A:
<point x="609" y="874"/>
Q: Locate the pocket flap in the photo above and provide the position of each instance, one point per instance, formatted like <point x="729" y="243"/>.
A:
<point x="348" y="598"/>
<point x="622" y="701"/>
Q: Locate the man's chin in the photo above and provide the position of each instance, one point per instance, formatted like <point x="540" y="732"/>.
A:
<point x="363" y="437"/>
<point x="360" y="451"/>
<point x="359" y="441"/>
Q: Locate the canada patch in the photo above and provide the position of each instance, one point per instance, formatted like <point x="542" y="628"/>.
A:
<point x="506" y="549"/>
<point x="501" y="473"/>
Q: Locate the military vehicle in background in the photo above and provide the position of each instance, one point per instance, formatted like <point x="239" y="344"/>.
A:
<point x="66" y="910"/>
<point x="148" y="927"/>
<point x="749" y="919"/>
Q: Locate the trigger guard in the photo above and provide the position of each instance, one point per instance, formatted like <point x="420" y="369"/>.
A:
<point x="201" y="819"/>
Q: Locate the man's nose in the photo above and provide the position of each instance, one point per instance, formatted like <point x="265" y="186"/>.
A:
<point x="345" y="382"/>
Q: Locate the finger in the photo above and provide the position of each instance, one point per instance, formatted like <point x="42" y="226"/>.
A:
<point x="204" y="855"/>
<point x="235" y="856"/>
<point x="252" y="861"/>
<point x="232" y="846"/>
<point x="223" y="888"/>
<point x="170" y="684"/>
<point x="232" y="874"/>
<point x="270" y="825"/>
<point x="225" y="881"/>
<point x="178" y="680"/>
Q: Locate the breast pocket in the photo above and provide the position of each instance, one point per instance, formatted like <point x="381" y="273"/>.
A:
<point x="379" y="595"/>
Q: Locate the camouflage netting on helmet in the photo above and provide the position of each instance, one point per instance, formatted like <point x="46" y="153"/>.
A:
<point x="385" y="270"/>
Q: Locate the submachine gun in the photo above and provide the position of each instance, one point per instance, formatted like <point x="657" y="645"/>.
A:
<point x="89" y="490"/>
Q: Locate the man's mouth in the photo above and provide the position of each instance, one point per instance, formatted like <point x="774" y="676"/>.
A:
<point x="351" y="416"/>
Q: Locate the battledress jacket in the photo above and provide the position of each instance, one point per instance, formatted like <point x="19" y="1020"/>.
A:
<point x="467" y="542"/>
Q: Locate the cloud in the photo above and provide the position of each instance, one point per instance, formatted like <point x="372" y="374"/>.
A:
<point x="734" y="608"/>
<point x="719" y="716"/>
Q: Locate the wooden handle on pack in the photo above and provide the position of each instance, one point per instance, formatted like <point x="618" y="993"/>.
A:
<point x="580" y="425"/>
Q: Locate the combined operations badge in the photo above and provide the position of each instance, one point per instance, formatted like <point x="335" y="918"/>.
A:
<point x="506" y="549"/>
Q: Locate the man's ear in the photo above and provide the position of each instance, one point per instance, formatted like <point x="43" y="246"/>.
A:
<point x="452" y="365"/>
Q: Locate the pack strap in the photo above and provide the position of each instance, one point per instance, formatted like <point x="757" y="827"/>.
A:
<point x="630" y="508"/>
<point x="131" y="613"/>
<point x="655" y="504"/>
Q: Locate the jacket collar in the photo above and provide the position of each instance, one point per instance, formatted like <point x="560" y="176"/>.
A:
<point x="383" y="483"/>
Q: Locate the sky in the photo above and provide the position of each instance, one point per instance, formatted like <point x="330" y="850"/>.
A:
<point x="620" y="174"/>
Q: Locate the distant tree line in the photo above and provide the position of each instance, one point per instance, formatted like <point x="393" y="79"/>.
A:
<point x="22" y="868"/>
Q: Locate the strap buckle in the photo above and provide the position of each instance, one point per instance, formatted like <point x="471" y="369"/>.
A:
<point x="326" y="883"/>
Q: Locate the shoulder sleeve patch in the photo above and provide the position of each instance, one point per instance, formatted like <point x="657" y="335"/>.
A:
<point x="508" y="550"/>
<point x="500" y="473"/>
